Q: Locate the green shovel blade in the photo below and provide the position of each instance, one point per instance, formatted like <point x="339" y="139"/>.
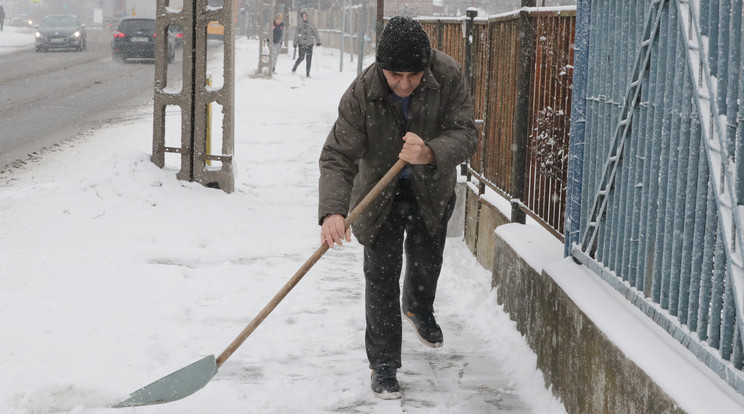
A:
<point x="175" y="386"/>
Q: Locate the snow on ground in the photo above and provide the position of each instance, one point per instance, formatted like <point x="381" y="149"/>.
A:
<point x="14" y="38"/>
<point x="116" y="274"/>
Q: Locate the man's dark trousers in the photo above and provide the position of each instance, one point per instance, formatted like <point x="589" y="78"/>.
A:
<point x="306" y="50"/>
<point x="382" y="267"/>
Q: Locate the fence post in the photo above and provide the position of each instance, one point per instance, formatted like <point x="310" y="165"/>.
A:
<point x="471" y="14"/>
<point x="578" y="124"/>
<point x="343" y="35"/>
<point x="521" y="117"/>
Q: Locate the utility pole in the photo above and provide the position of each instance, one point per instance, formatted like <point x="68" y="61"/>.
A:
<point x="343" y="35"/>
<point x="362" y="32"/>
<point x="351" y="30"/>
<point x="380" y="18"/>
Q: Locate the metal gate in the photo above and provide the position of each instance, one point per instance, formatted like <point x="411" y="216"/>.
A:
<point x="655" y="189"/>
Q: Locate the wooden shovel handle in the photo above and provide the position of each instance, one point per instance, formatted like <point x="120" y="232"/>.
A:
<point x="359" y="209"/>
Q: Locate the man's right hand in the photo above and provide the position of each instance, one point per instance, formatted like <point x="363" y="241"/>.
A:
<point x="332" y="232"/>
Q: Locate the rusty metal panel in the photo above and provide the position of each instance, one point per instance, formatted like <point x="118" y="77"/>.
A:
<point x="501" y="102"/>
<point x="431" y="28"/>
<point x="453" y="34"/>
<point x="495" y="70"/>
<point x="549" y="118"/>
<point x="480" y="64"/>
<point x="447" y="35"/>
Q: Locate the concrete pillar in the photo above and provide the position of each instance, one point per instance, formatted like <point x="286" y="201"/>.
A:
<point x="195" y="97"/>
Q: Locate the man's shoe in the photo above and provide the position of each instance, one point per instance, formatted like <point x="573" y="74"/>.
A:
<point x="384" y="383"/>
<point x="426" y="328"/>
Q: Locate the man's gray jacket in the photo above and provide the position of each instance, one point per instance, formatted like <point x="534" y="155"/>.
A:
<point x="306" y="34"/>
<point x="366" y="140"/>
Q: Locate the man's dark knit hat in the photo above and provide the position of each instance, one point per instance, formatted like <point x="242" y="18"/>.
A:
<point x="403" y="46"/>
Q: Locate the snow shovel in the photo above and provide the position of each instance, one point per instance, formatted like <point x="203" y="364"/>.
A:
<point x="192" y="378"/>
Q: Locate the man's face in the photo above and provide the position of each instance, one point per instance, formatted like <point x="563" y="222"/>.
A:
<point x="304" y="16"/>
<point x="403" y="83"/>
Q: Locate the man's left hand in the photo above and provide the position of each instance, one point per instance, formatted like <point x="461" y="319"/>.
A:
<point x="415" y="150"/>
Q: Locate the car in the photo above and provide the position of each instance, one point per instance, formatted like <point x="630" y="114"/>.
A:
<point x="134" y="38"/>
<point x="109" y="23"/>
<point x="177" y="32"/>
<point x="22" y="20"/>
<point x="60" y="32"/>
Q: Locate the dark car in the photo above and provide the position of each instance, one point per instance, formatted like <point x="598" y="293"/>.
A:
<point x="60" y="32"/>
<point x="22" y="20"/>
<point x="134" y="38"/>
<point x="177" y="32"/>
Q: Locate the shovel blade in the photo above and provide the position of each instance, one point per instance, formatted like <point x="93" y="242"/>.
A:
<point x="175" y="386"/>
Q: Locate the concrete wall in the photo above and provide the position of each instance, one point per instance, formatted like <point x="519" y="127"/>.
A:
<point x="472" y="204"/>
<point x="456" y="225"/>
<point x="490" y="218"/>
<point x="481" y="218"/>
<point x="584" y="368"/>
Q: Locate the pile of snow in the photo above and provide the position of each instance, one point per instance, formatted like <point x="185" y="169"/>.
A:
<point x="14" y="38"/>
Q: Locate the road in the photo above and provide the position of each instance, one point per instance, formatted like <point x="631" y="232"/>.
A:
<point x="50" y="97"/>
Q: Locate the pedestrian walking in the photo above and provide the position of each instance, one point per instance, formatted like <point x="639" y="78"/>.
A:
<point x="304" y="39"/>
<point x="2" y="19"/>
<point x="277" y="39"/>
<point x="412" y="104"/>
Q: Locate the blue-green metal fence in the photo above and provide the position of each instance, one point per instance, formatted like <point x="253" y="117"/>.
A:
<point x="655" y="189"/>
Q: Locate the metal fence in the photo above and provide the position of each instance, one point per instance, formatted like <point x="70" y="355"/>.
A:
<point x="655" y="189"/>
<point x="550" y="111"/>
<point x="447" y="35"/>
<point x="523" y="150"/>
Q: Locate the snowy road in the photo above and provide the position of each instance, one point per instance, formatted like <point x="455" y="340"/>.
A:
<point x="50" y="97"/>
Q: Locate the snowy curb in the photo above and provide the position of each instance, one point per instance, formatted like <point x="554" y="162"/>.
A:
<point x="598" y="351"/>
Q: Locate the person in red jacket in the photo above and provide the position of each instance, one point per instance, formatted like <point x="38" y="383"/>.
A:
<point x="278" y="37"/>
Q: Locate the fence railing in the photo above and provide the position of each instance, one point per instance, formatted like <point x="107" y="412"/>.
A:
<point x="522" y="94"/>
<point x="523" y="147"/>
<point x="655" y="177"/>
<point x="655" y="188"/>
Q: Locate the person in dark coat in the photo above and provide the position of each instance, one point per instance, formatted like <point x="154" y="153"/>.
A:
<point x="278" y="37"/>
<point x="304" y="39"/>
<point x="2" y="18"/>
<point x="412" y="104"/>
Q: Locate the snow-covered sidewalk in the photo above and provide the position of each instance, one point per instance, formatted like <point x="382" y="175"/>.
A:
<point x="16" y="38"/>
<point x="114" y="274"/>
